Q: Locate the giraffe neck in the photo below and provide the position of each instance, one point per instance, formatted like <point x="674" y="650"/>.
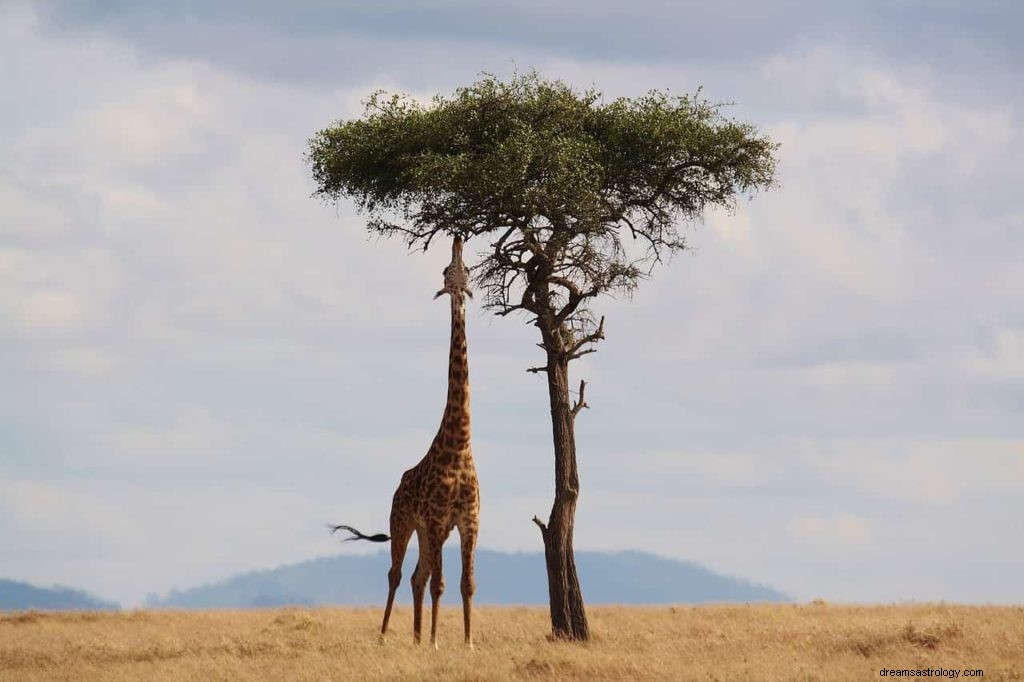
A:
<point x="455" y="427"/>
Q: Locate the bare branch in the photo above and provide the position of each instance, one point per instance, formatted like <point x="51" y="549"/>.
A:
<point x="510" y="309"/>
<point x="596" y="335"/>
<point x="579" y="354"/>
<point x="536" y="370"/>
<point x="581" y="402"/>
<point x="540" y="524"/>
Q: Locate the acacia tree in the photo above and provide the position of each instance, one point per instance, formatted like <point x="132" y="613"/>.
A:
<point x="576" y="197"/>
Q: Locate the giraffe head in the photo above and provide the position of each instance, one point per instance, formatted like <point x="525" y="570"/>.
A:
<point x="456" y="275"/>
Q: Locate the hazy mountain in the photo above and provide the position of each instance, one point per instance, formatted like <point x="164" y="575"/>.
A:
<point x="502" y="578"/>
<point x="15" y="596"/>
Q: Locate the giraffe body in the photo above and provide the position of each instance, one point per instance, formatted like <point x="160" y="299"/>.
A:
<point x="441" y="492"/>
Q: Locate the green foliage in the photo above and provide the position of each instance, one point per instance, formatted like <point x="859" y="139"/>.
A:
<point x="555" y="177"/>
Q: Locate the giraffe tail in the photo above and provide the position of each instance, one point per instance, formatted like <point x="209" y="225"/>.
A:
<point x="356" y="535"/>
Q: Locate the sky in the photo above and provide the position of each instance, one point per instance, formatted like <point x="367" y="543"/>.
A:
<point x="202" y="364"/>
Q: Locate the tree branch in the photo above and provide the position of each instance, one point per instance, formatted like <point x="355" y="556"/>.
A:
<point x="510" y="309"/>
<point x="596" y="335"/>
<point x="581" y="402"/>
<point x="565" y="283"/>
<point x="540" y="524"/>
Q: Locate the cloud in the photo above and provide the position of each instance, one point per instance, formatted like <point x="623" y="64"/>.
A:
<point x="302" y="42"/>
<point x="92" y="534"/>
<point x="85" y="361"/>
<point x="40" y="509"/>
<point x="936" y="472"/>
<point x="1003" y="357"/>
<point x="50" y="310"/>
<point x="841" y="530"/>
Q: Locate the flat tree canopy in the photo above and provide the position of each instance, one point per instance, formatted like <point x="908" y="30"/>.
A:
<point x="576" y="197"/>
<point x="534" y="156"/>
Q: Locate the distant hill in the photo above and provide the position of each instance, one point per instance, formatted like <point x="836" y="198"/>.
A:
<point x="502" y="578"/>
<point x="15" y="596"/>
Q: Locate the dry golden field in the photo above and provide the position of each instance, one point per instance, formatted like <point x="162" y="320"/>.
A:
<point x="760" y="642"/>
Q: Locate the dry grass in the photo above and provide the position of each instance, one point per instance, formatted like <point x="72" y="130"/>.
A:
<point x="769" y="642"/>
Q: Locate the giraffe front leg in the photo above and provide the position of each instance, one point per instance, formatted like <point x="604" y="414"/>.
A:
<point x="436" y="589"/>
<point x="420" y="577"/>
<point x="467" y="537"/>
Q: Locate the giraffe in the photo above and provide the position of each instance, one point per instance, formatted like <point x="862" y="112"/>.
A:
<point x="441" y="492"/>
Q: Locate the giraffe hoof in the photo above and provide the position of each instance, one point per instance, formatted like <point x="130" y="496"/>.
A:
<point x="381" y="640"/>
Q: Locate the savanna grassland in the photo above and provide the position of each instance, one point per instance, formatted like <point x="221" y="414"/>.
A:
<point x="758" y="642"/>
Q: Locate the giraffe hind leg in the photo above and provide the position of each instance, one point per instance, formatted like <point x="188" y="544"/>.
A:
<point x="399" y="543"/>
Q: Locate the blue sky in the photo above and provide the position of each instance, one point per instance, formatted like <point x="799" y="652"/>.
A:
<point x="202" y="364"/>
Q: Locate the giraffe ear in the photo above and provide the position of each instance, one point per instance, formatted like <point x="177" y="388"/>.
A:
<point x="438" y="294"/>
<point x="469" y="292"/>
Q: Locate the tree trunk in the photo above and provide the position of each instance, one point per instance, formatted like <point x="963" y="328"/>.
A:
<point x="568" y="616"/>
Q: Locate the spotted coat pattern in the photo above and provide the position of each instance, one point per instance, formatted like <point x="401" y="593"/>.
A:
<point x="441" y="492"/>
